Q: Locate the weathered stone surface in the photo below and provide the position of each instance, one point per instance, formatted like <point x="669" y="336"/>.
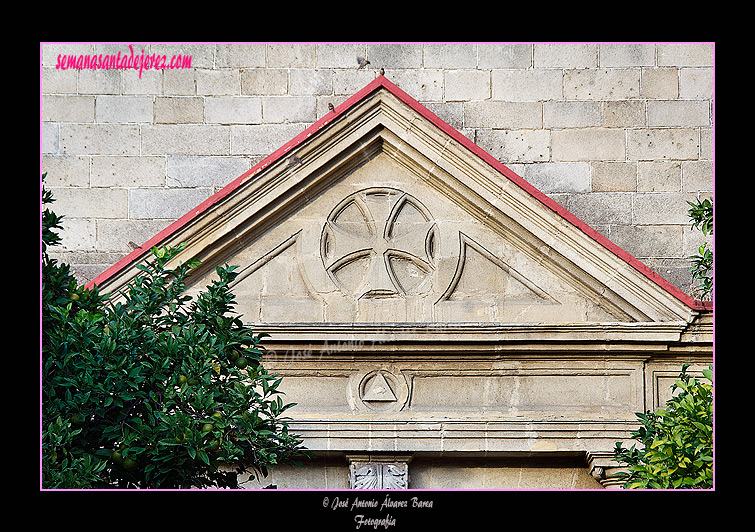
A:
<point x="425" y="302"/>
<point x="515" y="100"/>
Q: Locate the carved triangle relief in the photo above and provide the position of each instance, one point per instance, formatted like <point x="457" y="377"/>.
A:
<point x="479" y="274"/>
<point x="379" y="390"/>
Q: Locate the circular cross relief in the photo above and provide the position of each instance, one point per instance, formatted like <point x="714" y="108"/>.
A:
<point x="382" y="390"/>
<point x="380" y="242"/>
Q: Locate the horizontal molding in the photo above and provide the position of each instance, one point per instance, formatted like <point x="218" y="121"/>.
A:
<point x="353" y="335"/>
<point x="459" y="435"/>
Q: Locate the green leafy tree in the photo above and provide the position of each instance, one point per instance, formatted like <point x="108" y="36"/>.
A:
<point x="676" y="442"/>
<point x="149" y="388"/>
<point x="701" y="214"/>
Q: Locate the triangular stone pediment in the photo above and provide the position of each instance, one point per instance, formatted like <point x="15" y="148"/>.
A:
<point x="382" y="213"/>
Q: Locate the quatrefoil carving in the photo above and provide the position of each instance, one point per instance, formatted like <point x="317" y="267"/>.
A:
<point x="380" y="242"/>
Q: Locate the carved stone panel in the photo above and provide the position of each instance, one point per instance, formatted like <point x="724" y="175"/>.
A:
<point x="382" y="474"/>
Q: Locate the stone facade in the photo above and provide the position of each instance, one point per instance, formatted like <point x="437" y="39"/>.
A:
<point x="619" y="134"/>
<point x="439" y="321"/>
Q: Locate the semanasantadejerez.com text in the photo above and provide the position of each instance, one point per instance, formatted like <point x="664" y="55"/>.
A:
<point x="126" y="61"/>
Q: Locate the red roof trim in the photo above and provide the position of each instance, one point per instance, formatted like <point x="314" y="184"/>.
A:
<point x="377" y="83"/>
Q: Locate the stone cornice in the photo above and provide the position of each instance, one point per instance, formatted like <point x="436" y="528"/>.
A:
<point x="376" y="337"/>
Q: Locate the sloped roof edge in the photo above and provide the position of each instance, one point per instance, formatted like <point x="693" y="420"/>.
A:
<point x="382" y="82"/>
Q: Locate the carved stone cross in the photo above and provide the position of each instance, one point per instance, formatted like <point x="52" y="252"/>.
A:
<point x="379" y="242"/>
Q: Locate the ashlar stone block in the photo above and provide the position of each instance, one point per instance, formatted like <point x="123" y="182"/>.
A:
<point x="179" y="110"/>
<point x="662" y="143"/>
<point x="91" y="202"/>
<point x="517" y="146"/>
<point x="606" y="144"/>
<point x="602" y="84"/>
<point x="164" y="203"/>
<point x="185" y="139"/>
<point x="127" y="171"/>
<point x="99" y="139"/>
<point x="67" y="108"/>
<point x="124" y="109"/>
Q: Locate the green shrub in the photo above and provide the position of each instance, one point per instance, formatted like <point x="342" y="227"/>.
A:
<point x="676" y="442"/>
<point x="149" y="388"/>
<point x="701" y="215"/>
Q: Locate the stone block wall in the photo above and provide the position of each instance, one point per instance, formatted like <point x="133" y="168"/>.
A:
<point x="619" y="134"/>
